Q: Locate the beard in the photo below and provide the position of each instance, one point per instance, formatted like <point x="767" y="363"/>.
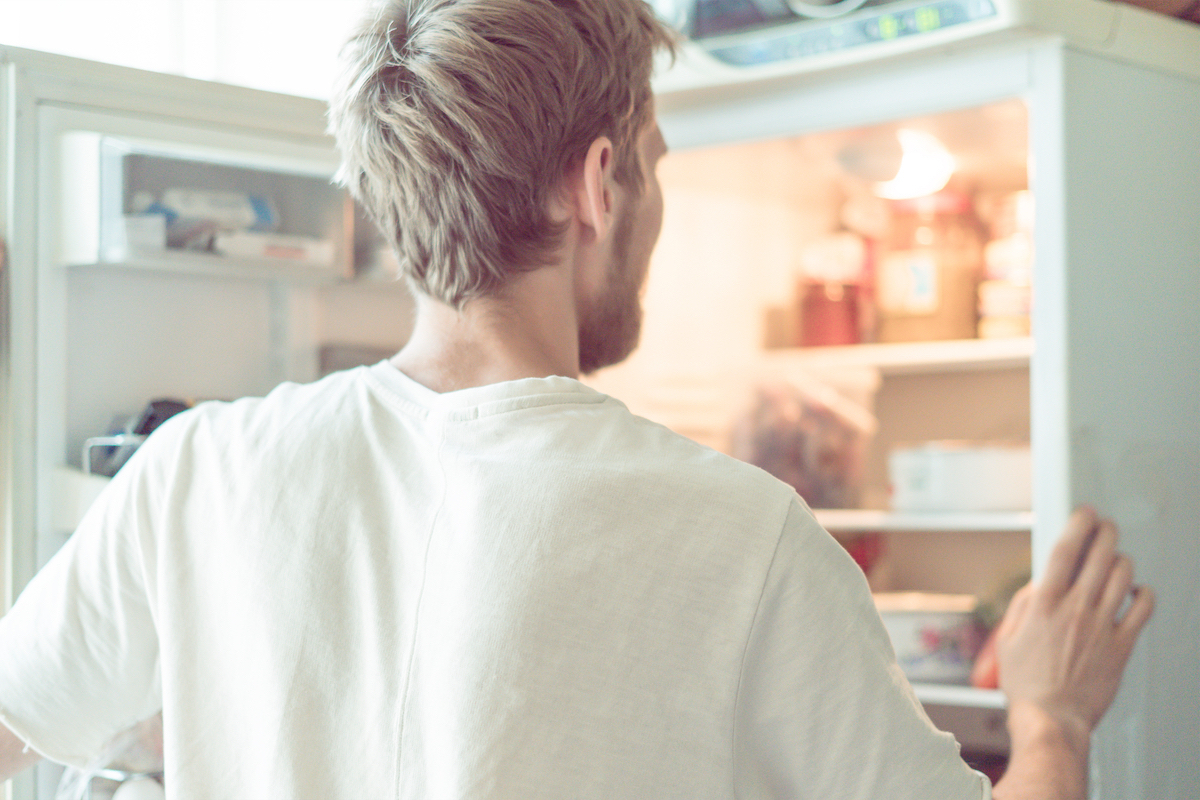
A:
<point x="610" y="328"/>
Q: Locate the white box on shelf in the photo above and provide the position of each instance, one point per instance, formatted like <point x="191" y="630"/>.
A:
<point x="144" y="233"/>
<point x="960" y="476"/>
<point x="297" y="249"/>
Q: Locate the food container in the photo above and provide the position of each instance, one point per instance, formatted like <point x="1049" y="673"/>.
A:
<point x="810" y="436"/>
<point x="936" y="636"/>
<point x="961" y="476"/>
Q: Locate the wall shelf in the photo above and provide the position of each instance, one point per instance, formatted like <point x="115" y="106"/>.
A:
<point x="854" y="519"/>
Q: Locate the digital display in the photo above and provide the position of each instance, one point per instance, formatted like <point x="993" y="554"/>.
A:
<point x="815" y="37"/>
<point x="717" y="17"/>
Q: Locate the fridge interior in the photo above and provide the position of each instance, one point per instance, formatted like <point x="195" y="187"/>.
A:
<point x="738" y="220"/>
<point x="724" y="303"/>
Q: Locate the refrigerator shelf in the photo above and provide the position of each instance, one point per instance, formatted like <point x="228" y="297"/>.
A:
<point x="190" y="263"/>
<point x="909" y="357"/>
<point x="853" y="519"/>
<point x="936" y="694"/>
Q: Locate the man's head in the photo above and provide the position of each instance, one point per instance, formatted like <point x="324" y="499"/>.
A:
<point x="457" y="120"/>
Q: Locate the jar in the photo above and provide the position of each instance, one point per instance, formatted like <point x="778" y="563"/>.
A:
<point x="829" y="292"/>
<point x="929" y="270"/>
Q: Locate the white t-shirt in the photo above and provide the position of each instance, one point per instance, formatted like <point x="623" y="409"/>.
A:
<point x="360" y="588"/>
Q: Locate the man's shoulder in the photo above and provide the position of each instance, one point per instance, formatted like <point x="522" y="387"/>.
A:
<point x="656" y="452"/>
<point x="291" y="412"/>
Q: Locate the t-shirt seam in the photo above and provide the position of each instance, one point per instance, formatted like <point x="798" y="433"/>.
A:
<point x="402" y="705"/>
<point x="746" y="647"/>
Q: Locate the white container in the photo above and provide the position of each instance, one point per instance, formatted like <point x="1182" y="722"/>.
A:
<point x="960" y="476"/>
<point x="935" y="636"/>
<point x="307" y="250"/>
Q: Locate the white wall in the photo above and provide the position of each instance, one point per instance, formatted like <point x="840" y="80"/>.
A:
<point x="287" y="46"/>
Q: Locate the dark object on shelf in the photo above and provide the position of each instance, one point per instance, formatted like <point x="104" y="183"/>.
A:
<point x="104" y="455"/>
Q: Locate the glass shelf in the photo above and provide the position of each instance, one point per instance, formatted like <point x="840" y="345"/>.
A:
<point x="937" y="694"/>
<point x="853" y="519"/>
<point x="194" y="263"/>
<point x="908" y="357"/>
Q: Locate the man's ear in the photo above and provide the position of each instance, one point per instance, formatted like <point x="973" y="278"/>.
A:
<point x="594" y="199"/>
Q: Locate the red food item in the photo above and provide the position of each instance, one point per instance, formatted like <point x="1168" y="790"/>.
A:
<point x="865" y="550"/>
<point x="986" y="672"/>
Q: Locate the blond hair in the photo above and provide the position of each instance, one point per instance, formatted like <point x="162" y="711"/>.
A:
<point x="456" y="120"/>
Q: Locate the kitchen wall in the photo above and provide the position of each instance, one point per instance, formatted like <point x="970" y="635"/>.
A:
<point x="288" y="47"/>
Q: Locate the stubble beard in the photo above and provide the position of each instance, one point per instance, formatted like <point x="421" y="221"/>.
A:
<point x="610" y="330"/>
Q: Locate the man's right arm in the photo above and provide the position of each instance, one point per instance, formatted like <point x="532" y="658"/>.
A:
<point x="14" y="758"/>
<point x="1063" y="647"/>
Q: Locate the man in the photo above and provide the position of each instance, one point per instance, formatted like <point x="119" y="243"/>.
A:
<point x="462" y="573"/>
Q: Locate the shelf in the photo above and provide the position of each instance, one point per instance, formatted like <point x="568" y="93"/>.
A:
<point x="182" y="262"/>
<point x="853" y="519"/>
<point x="908" y="357"/>
<point x="937" y="694"/>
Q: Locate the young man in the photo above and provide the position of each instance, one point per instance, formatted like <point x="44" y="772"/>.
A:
<point x="462" y="573"/>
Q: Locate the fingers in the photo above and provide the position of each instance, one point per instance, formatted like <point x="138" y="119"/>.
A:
<point x="1017" y="609"/>
<point x="1098" y="564"/>
<point x="1116" y="589"/>
<point x="1068" y="553"/>
<point x="1139" y="613"/>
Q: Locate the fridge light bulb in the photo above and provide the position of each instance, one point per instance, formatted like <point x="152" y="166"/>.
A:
<point x="925" y="167"/>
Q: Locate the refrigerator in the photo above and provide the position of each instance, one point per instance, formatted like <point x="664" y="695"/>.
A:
<point x="1090" y="109"/>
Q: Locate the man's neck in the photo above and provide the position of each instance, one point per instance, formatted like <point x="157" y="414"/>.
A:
<point x="529" y="332"/>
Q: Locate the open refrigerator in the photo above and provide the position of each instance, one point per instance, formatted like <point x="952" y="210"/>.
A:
<point x="1073" y="126"/>
<point x="1090" y="109"/>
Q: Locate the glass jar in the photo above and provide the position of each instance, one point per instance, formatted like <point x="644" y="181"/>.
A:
<point x="928" y="272"/>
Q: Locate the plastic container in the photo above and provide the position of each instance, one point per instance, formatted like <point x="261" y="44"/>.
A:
<point x="810" y="436"/>
<point x="936" y="636"/>
<point x="961" y="476"/>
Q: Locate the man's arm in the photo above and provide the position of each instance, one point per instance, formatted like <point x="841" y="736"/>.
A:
<point x="14" y="758"/>
<point x="1063" y="647"/>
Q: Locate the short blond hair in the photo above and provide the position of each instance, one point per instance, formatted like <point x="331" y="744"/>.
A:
<point x="456" y="119"/>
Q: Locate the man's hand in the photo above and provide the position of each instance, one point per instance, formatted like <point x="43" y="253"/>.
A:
<point x="1063" y="647"/>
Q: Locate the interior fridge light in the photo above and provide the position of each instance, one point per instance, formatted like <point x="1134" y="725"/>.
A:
<point x="925" y="167"/>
